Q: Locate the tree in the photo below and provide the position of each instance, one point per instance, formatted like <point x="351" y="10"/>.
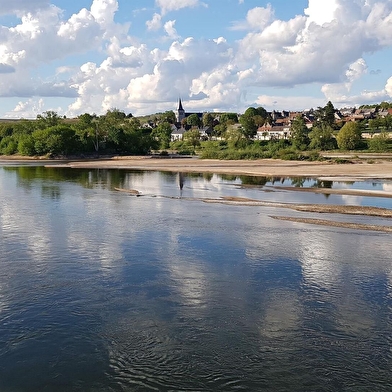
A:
<point x="169" y="117"/>
<point x="299" y="133"/>
<point x="261" y="112"/>
<point x="193" y="120"/>
<point x="388" y="122"/>
<point x="48" y="119"/>
<point x="322" y="138"/>
<point x="162" y="134"/>
<point x="192" y="137"/>
<point x="326" y="115"/>
<point x="208" y="120"/>
<point x="88" y="130"/>
<point x="224" y="117"/>
<point x="57" y="140"/>
<point x="235" y="138"/>
<point x="329" y="114"/>
<point x="259" y="120"/>
<point x="349" y="137"/>
<point x="249" y="127"/>
<point x="379" y="143"/>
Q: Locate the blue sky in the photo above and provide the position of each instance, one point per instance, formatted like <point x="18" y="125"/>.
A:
<point x="140" y="56"/>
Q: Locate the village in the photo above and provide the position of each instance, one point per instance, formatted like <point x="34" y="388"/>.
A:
<point x="277" y="124"/>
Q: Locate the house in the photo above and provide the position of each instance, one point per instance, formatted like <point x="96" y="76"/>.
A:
<point x="270" y="131"/>
<point x="177" y="134"/>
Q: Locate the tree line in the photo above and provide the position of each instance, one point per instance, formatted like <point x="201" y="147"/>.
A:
<point x="230" y="135"/>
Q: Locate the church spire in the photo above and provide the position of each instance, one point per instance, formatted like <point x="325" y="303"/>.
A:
<point x="180" y="111"/>
<point x="180" y="104"/>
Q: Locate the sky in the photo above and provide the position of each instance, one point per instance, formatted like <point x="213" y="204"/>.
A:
<point x="141" y="56"/>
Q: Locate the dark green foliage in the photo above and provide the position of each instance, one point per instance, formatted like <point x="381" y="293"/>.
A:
<point x="299" y="133"/>
<point x="380" y="143"/>
<point x="54" y="141"/>
<point x="48" y="119"/>
<point x="322" y="138"/>
<point x="8" y="145"/>
<point x="162" y="134"/>
<point x="26" y="145"/>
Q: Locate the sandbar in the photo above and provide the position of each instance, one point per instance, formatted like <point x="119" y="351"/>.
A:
<point x="358" y="169"/>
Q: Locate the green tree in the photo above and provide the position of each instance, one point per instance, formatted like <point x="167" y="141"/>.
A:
<point x="349" y="137"/>
<point x="208" y="120"/>
<point x="193" y="120"/>
<point x="169" y="117"/>
<point x="388" y="122"/>
<point x="48" y="119"/>
<point x="235" y="138"/>
<point x="8" y="145"/>
<point x="249" y="127"/>
<point x="57" y="140"/>
<point x="261" y="112"/>
<point x="326" y="115"/>
<point x="374" y="125"/>
<point x="299" y="133"/>
<point x="89" y="131"/>
<point x="26" y="145"/>
<point x="379" y="143"/>
<point x="329" y="114"/>
<point x="224" y="117"/>
<point x="192" y="138"/>
<point x="322" y="138"/>
<point x="162" y="134"/>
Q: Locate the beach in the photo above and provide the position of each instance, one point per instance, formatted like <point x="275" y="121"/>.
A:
<point x="356" y="168"/>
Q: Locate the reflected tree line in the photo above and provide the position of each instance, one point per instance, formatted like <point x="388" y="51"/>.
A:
<point x="118" y="178"/>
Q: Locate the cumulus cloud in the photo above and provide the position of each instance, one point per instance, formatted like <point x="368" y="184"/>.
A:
<point x="170" y="29"/>
<point x="388" y="87"/>
<point x="326" y="45"/>
<point x="155" y="23"/>
<point x="321" y="12"/>
<point x="175" y="5"/>
<point x="256" y="19"/>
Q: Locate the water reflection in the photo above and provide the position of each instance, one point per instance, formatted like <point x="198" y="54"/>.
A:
<point x="103" y="291"/>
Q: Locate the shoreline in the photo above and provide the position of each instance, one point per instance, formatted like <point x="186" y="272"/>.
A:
<point x="357" y="168"/>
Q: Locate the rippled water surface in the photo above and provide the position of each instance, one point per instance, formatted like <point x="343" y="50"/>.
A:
<point x="104" y="291"/>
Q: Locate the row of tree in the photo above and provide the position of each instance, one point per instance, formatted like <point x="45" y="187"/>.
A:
<point x="118" y="133"/>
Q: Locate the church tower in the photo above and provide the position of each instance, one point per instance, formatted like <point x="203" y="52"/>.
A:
<point x="180" y="111"/>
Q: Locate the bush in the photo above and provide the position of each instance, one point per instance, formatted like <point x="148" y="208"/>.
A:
<point x="8" y="145"/>
<point x="379" y="143"/>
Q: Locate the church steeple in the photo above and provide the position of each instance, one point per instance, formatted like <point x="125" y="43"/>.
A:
<point x="180" y="111"/>
<point x="180" y="105"/>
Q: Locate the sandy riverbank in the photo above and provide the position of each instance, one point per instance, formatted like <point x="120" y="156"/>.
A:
<point x="360" y="169"/>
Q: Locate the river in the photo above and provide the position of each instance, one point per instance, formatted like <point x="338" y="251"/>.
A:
<point x="103" y="290"/>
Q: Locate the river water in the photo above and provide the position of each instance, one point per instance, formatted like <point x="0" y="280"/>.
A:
<point x="101" y="290"/>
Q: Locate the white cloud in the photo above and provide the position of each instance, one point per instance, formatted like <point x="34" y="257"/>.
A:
<point x="175" y="5"/>
<point x="155" y="23"/>
<point x="321" y="12"/>
<point x="256" y="19"/>
<point x="326" y="46"/>
<point x="388" y="87"/>
<point x="170" y="30"/>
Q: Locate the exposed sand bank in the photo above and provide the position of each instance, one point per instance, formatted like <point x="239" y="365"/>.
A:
<point x="379" y="168"/>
